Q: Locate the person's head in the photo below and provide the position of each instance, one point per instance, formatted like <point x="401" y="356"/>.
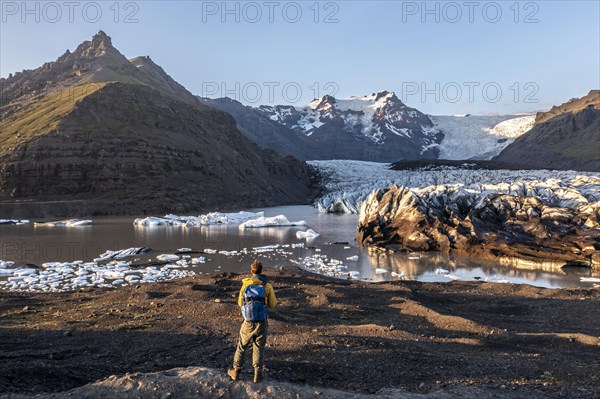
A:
<point x="256" y="267"/>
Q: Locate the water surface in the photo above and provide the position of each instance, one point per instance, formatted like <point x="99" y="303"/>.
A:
<point x="35" y="244"/>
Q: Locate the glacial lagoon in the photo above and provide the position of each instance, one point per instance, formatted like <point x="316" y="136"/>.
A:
<point x="230" y="249"/>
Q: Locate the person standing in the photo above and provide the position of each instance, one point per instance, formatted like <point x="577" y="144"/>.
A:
<point x="255" y="299"/>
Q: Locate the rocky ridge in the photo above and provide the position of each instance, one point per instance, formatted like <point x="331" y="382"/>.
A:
<point x="523" y="224"/>
<point x="565" y="137"/>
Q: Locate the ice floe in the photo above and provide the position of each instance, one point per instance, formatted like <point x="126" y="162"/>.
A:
<point x="590" y="280"/>
<point x="65" y="276"/>
<point x="398" y="275"/>
<point x="167" y="257"/>
<point x="65" y="223"/>
<point x="308" y="234"/>
<point x="14" y="221"/>
<point x="274" y="221"/>
<point x="324" y="265"/>
<point x="122" y="253"/>
<point x="208" y="219"/>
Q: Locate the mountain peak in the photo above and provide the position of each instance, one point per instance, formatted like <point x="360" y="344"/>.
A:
<point x="101" y="38"/>
<point x="384" y="94"/>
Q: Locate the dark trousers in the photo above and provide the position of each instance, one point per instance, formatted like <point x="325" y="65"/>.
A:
<point x="254" y="333"/>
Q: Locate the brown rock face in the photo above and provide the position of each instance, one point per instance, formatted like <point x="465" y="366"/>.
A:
<point x="566" y="137"/>
<point x="94" y="133"/>
<point x="491" y="226"/>
<point x="130" y="149"/>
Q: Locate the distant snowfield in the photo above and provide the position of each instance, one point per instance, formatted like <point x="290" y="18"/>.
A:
<point x="478" y="136"/>
<point x="348" y="183"/>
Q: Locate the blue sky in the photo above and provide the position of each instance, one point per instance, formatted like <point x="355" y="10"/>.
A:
<point x="440" y="57"/>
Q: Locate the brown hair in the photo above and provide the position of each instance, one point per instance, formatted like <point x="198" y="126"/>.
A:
<point x="256" y="267"/>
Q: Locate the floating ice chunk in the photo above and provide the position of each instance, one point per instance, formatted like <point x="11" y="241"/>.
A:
<point x="150" y="221"/>
<point x="380" y="271"/>
<point x="451" y="276"/>
<point x="201" y="220"/>
<point x="399" y="275"/>
<point x="266" y="248"/>
<point x="227" y="218"/>
<point x="184" y="250"/>
<point x="118" y="282"/>
<point x="354" y="258"/>
<point x="122" y="253"/>
<point x="5" y="263"/>
<point x="442" y="271"/>
<point x="275" y="221"/>
<point x="24" y="272"/>
<point x="167" y="257"/>
<point x="590" y="280"/>
<point x="198" y="260"/>
<point x="210" y="251"/>
<point x="65" y="223"/>
<point x="6" y="272"/>
<point x="308" y="234"/>
<point x="14" y="221"/>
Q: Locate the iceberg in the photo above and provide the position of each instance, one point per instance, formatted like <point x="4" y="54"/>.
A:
<point x="275" y="221"/>
<point x="14" y="221"/>
<point x="213" y="218"/>
<point x="122" y="253"/>
<point x="5" y="263"/>
<point x="167" y="258"/>
<point x="308" y="234"/>
<point x="590" y="280"/>
<point x="65" y="223"/>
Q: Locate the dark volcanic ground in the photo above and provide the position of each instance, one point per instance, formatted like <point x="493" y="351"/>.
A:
<point x="353" y="336"/>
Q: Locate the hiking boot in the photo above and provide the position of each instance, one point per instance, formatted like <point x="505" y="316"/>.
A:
<point x="233" y="374"/>
<point x="258" y="376"/>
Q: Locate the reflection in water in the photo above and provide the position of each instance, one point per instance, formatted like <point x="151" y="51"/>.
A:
<point x="26" y="244"/>
<point x="423" y="267"/>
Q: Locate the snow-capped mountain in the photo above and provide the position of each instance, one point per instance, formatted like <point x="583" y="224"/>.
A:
<point x="373" y="127"/>
<point x="377" y="127"/>
<point x="374" y="116"/>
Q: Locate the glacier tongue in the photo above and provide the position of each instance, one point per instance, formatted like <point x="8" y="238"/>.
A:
<point x="479" y="137"/>
<point x="348" y="183"/>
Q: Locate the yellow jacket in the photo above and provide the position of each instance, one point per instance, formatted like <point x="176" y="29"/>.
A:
<point x="259" y="279"/>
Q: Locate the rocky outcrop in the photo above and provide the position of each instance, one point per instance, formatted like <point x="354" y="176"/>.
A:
<point x="485" y="224"/>
<point x="566" y="137"/>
